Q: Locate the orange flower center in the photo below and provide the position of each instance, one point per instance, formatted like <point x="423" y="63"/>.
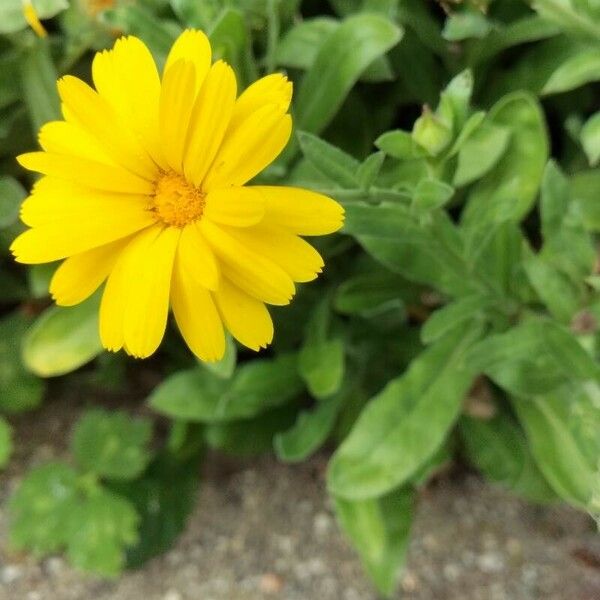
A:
<point x="176" y="202"/>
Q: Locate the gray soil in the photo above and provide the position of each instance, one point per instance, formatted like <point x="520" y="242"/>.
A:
<point x="265" y="531"/>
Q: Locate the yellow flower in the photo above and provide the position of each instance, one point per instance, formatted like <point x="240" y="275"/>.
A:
<point x="144" y="187"/>
<point x="32" y="18"/>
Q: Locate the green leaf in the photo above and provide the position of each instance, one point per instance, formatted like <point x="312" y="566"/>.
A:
<point x="19" y="389"/>
<point x="365" y="294"/>
<point x="535" y="357"/>
<point x="559" y="425"/>
<point x="63" y="339"/>
<point x="529" y="28"/>
<point x="38" y="82"/>
<point x="112" y="444"/>
<point x="431" y="194"/>
<point x="554" y="201"/>
<point x="321" y="365"/>
<point x="341" y="60"/>
<point x="590" y="139"/>
<point x="11" y="196"/>
<point x="430" y="253"/>
<point x="41" y="507"/>
<point x="250" y="437"/>
<point x="508" y="191"/>
<point x="300" y="46"/>
<point x="337" y="166"/>
<point x="39" y="277"/>
<point x="321" y="359"/>
<point x="455" y="100"/>
<point x="230" y="41"/>
<point x="100" y="529"/>
<point x="379" y="530"/>
<point x="309" y="432"/>
<point x="497" y="447"/>
<point x="405" y="423"/>
<point x="585" y="187"/>
<point x="400" y="144"/>
<point x="553" y="288"/>
<point x="12" y="18"/>
<point x="197" y="395"/>
<point x="570" y="16"/>
<point x="472" y="124"/>
<point x="369" y="170"/>
<point x="163" y="497"/>
<point x="196" y="14"/>
<point x="481" y="152"/>
<point x="456" y="314"/>
<point x="6" y="443"/>
<point x="567" y="246"/>
<point x="574" y="72"/>
<point x="466" y="24"/>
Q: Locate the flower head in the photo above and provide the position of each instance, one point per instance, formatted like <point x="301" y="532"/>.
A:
<point x="144" y="187"/>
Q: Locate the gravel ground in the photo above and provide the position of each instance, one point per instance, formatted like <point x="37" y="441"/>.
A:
<point x="265" y="531"/>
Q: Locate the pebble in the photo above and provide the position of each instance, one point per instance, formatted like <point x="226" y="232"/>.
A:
<point x="490" y="562"/>
<point x="352" y="594"/>
<point x="172" y="595"/>
<point x="270" y="583"/>
<point x="10" y="573"/>
<point x="322" y="524"/>
<point x="451" y="571"/>
<point x="54" y="565"/>
<point x="410" y="582"/>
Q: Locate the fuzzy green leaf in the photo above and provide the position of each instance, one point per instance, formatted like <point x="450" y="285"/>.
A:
<point x="112" y="444"/>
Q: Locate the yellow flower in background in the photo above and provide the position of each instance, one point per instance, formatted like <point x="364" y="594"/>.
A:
<point x="32" y="18"/>
<point x="144" y="188"/>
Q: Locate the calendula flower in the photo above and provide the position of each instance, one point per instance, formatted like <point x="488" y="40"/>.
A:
<point x="144" y="187"/>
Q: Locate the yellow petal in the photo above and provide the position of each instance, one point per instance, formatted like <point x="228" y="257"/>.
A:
<point x="209" y="120"/>
<point x="236" y="206"/>
<point x="176" y="103"/>
<point x="272" y="89"/>
<point x="246" y="318"/>
<point x="62" y="137"/>
<point x="79" y="276"/>
<point x="59" y="201"/>
<point x="192" y="46"/>
<point x="127" y="78"/>
<point x="295" y="256"/>
<point x="249" y="148"/>
<point x="196" y="258"/>
<point x="86" y="172"/>
<point x="32" y="19"/>
<point x="301" y="211"/>
<point x="76" y="226"/>
<point x="112" y="306"/>
<point x="196" y="314"/>
<point x="253" y="273"/>
<point x="95" y="115"/>
<point x="149" y="268"/>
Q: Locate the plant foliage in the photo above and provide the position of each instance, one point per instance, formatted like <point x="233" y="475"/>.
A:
<point x="457" y="318"/>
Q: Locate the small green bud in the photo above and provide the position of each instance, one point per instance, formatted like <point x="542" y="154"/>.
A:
<point x="431" y="133"/>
